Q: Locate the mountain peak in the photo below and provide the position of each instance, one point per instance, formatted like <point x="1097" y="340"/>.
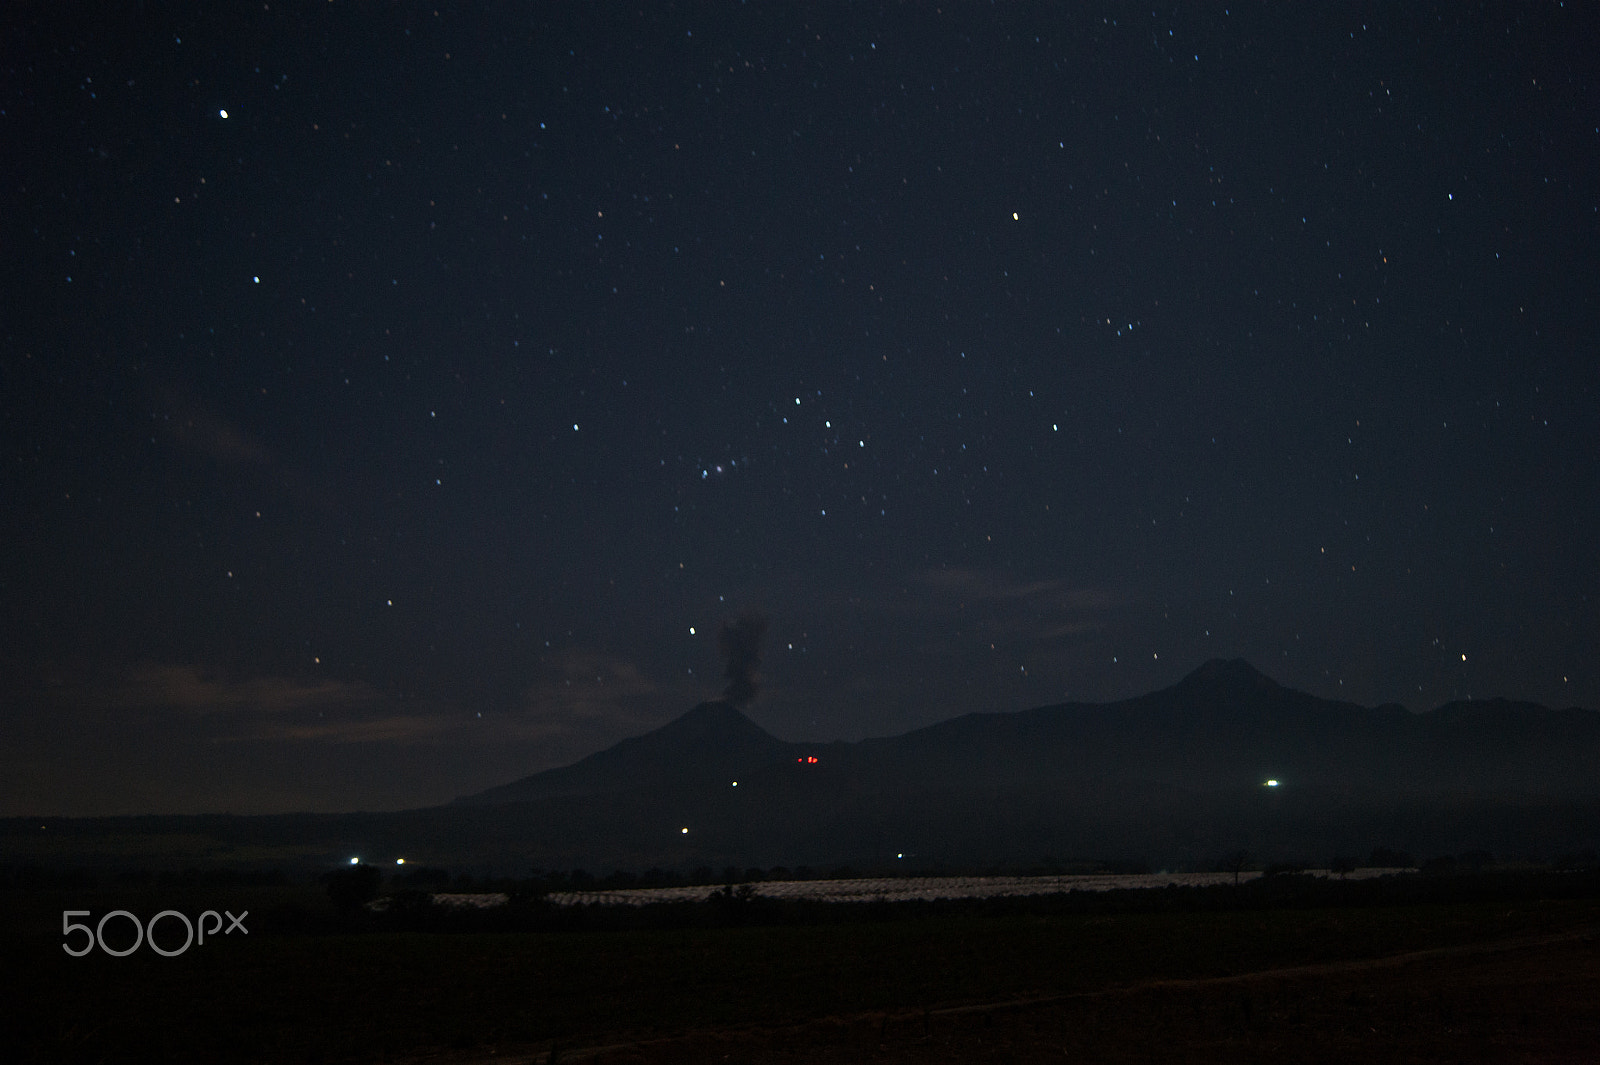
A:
<point x="714" y="739"/>
<point x="1228" y="673"/>
<point x="707" y="735"/>
<point x="715" y="718"/>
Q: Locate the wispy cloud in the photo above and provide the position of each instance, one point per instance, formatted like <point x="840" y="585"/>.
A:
<point x="393" y="728"/>
<point x="987" y="586"/>
<point x="188" y="689"/>
<point x="980" y="585"/>
<point x="206" y="433"/>
<point x="1069" y="630"/>
<point x="256" y="709"/>
<point x="587" y="693"/>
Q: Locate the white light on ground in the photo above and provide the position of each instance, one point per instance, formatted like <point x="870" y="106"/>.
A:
<point x="355" y="861"/>
<point x="685" y="831"/>
<point x="399" y="861"/>
<point x="1272" y="783"/>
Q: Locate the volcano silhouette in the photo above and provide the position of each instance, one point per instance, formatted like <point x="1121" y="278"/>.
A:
<point x="1179" y="772"/>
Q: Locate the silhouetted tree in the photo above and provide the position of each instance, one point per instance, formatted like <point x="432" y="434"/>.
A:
<point x="1234" y="862"/>
<point x="655" y="876"/>
<point x="410" y="906"/>
<point x="1384" y="858"/>
<point x="352" y="886"/>
<point x="422" y="877"/>
<point x="732" y="903"/>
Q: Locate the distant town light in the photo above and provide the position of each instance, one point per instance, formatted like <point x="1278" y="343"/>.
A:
<point x="399" y="861"/>
<point x="684" y="830"/>
<point x="1272" y="783"/>
<point x="736" y="783"/>
<point x="355" y="861"/>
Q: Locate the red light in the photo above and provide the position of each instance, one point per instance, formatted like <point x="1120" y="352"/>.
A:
<point x="811" y="759"/>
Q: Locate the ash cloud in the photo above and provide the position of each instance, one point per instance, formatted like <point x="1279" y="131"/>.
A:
<point x="740" y="642"/>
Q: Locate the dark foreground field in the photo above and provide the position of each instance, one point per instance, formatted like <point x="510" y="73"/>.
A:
<point x="1503" y="976"/>
<point x="1532" y="999"/>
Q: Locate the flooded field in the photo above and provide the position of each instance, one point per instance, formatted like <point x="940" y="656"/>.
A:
<point x="898" y="889"/>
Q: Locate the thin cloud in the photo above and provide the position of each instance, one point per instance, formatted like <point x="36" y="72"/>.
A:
<point x="1068" y="631"/>
<point x="188" y="690"/>
<point x="987" y="586"/>
<point x="208" y="434"/>
<point x="255" y="709"/>
<point x="400" y="728"/>
<point x="589" y="693"/>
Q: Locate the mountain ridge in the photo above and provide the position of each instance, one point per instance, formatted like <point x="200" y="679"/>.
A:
<point x="1176" y="777"/>
<point x="1225" y="724"/>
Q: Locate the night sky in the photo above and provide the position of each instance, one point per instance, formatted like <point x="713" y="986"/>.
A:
<point x="397" y="400"/>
